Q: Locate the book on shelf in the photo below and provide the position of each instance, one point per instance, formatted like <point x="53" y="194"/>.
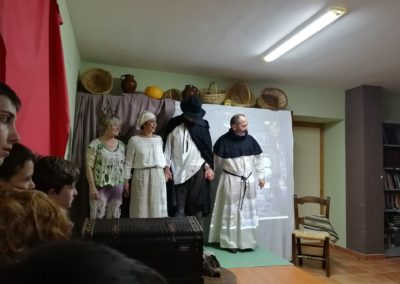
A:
<point x="389" y="180"/>
<point x="391" y="134"/>
<point x="392" y="201"/>
<point x="396" y="180"/>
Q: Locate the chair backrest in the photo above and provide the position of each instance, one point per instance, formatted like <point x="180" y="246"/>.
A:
<point x="323" y="202"/>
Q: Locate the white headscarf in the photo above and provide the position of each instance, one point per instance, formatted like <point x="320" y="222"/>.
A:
<point x="143" y="118"/>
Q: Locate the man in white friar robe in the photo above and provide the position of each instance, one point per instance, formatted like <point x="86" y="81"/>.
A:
<point x="234" y="220"/>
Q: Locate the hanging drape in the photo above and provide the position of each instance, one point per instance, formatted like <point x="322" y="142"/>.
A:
<point x="31" y="62"/>
<point x="87" y="110"/>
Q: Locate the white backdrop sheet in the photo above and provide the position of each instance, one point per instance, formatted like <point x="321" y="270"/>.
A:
<point x="273" y="131"/>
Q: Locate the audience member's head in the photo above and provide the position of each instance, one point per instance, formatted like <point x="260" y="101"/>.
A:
<point x="9" y="106"/>
<point x="56" y="177"/>
<point x="79" y="262"/>
<point x="27" y="219"/>
<point x="17" y="169"/>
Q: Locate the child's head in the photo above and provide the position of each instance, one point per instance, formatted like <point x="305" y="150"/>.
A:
<point x="78" y="262"/>
<point x="29" y="218"/>
<point x="17" y="169"/>
<point x="56" y="177"/>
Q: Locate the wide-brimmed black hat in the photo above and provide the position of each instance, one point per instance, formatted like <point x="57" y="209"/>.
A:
<point x="191" y="107"/>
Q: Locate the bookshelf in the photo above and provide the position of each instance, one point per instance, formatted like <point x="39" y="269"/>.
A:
<point x="391" y="181"/>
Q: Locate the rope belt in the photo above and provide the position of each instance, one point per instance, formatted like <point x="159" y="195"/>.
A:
<point x="148" y="168"/>
<point x="242" y="179"/>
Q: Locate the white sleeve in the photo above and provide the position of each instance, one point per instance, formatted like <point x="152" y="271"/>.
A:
<point x="168" y="150"/>
<point x="130" y="155"/>
<point x="259" y="166"/>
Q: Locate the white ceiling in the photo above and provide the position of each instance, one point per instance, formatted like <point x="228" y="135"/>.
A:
<point x="227" y="38"/>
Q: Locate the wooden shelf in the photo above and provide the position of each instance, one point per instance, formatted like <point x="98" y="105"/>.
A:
<point x="392" y="252"/>
<point x="392" y="210"/>
<point x="391" y="145"/>
<point x="391" y="162"/>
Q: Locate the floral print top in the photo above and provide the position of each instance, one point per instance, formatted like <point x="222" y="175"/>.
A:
<point x="107" y="165"/>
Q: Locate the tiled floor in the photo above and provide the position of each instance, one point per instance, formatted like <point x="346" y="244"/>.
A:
<point x="346" y="268"/>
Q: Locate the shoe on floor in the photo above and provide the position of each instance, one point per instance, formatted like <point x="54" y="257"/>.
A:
<point x="247" y="250"/>
<point x="232" y="250"/>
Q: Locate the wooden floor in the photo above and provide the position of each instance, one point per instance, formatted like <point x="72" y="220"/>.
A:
<point x="345" y="269"/>
<point x="349" y="269"/>
<point x="273" y="275"/>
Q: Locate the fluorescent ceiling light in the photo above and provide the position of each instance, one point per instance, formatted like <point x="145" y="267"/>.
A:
<point x="330" y="16"/>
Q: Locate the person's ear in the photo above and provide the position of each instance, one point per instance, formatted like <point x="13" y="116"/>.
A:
<point x="51" y="192"/>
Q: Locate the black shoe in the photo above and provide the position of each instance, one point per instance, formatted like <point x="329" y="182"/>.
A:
<point x="232" y="250"/>
<point x="247" y="250"/>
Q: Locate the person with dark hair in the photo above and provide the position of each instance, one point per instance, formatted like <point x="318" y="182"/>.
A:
<point x="145" y="155"/>
<point x="234" y="220"/>
<point x="28" y="218"/>
<point x="188" y="152"/>
<point x="105" y="157"/>
<point x="17" y="169"/>
<point x="56" y="177"/>
<point x="9" y="106"/>
<point x="78" y="262"/>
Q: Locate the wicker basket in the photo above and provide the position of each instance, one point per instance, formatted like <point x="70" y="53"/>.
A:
<point x="272" y="98"/>
<point x="97" y="81"/>
<point x="174" y="94"/>
<point x="240" y="95"/>
<point x="211" y="95"/>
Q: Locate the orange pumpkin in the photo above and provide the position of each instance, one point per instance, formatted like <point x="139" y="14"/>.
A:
<point x="154" y="92"/>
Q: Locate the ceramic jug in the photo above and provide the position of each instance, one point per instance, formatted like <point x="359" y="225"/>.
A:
<point x="128" y="83"/>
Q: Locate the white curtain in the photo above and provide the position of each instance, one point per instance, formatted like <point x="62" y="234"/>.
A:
<point x="273" y="131"/>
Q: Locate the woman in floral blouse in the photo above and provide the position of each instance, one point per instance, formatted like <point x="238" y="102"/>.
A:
<point x="105" y="158"/>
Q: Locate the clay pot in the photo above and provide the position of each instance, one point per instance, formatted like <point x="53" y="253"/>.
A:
<point x="128" y="83"/>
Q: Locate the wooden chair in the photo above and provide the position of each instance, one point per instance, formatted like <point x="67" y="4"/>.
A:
<point x="303" y="238"/>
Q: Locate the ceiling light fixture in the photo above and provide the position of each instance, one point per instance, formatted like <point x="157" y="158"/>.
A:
<point x="319" y="23"/>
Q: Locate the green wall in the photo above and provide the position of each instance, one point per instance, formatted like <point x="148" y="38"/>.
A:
<point x="312" y="104"/>
<point x="72" y="61"/>
<point x="335" y="176"/>
<point x="307" y="103"/>
<point x="164" y="80"/>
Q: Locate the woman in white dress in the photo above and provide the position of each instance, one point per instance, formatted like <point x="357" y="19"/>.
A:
<point x="145" y="156"/>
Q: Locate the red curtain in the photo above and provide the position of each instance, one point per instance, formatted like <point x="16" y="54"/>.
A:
<point x="31" y="62"/>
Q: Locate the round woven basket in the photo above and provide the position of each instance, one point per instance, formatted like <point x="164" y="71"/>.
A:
<point x="174" y="94"/>
<point x="211" y="95"/>
<point x="240" y="95"/>
<point x="97" y="81"/>
<point x="272" y="98"/>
